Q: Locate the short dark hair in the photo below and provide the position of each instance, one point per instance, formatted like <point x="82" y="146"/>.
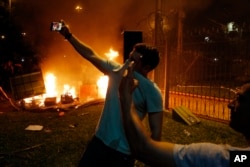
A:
<point x="150" y="54"/>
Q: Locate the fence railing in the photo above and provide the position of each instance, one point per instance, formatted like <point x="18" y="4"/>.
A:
<point x="205" y="76"/>
<point x="203" y="106"/>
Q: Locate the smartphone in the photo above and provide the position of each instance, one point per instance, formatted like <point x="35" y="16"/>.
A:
<point x="55" y="26"/>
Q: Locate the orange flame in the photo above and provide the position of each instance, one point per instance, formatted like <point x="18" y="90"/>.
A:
<point x="112" y="54"/>
<point x="102" y="85"/>
<point x="50" y="84"/>
<point x="52" y="87"/>
<point x="102" y="82"/>
<point x="67" y="90"/>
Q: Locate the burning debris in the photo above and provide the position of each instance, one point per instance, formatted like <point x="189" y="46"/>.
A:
<point x="51" y="98"/>
<point x="42" y="92"/>
<point x="50" y="101"/>
<point x="66" y="99"/>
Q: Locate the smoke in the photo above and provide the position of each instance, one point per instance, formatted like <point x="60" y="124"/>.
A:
<point x="99" y="24"/>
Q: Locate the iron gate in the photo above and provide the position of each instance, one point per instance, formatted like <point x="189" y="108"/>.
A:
<point x="207" y="74"/>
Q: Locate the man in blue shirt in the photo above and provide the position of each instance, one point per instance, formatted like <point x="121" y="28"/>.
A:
<point x="109" y="146"/>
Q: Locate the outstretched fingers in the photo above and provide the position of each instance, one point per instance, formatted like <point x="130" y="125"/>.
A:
<point x="128" y="83"/>
<point x="65" y="29"/>
<point x="122" y="71"/>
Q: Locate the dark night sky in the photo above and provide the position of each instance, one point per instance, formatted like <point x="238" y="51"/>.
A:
<point x="101" y="22"/>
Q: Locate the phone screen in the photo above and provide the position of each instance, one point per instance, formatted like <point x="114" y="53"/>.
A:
<point x="56" y="26"/>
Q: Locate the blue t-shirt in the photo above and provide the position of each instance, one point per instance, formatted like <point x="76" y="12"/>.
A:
<point x="146" y="98"/>
<point x="204" y="155"/>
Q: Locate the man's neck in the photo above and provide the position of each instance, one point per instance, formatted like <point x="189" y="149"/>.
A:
<point x="143" y="73"/>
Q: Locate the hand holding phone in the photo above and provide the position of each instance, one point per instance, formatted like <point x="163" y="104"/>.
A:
<point x="56" y="26"/>
<point x="62" y="28"/>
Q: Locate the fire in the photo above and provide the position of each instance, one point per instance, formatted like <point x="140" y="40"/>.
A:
<point x="102" y="85"/>
<point x="67" y="90"/>
<point x="112" y="54"/>
<point x="50" y="84"/>
<point x="52" y="90"/>
<point x="102" y="82"/>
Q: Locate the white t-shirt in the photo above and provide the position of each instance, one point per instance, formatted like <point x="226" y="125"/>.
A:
<point x="204" y="154"/>
<point x="146" y="98"/>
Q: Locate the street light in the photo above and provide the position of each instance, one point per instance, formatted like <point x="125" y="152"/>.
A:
<point x="78" y="8"/>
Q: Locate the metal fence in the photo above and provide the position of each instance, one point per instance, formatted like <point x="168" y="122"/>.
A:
<point x="205" y="76"/>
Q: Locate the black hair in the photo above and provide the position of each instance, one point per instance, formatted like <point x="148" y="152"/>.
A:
<point x="150" y="54"/>
<point x="240" y="120"/>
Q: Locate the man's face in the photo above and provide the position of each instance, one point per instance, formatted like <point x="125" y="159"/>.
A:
<point x="135" y="56"/>
<point x="240" y="110"/>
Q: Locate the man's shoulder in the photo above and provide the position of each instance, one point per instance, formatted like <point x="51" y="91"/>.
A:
<point x="144" y="81"/>
<point x="149" y="85"/>
<point x="108" y="66"/>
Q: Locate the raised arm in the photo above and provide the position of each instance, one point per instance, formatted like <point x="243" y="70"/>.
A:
<point x="152" y="152"/>
<point x="83" y="49"/>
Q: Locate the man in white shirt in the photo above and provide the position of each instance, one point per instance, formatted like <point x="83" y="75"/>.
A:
<point x="161" y="153"/>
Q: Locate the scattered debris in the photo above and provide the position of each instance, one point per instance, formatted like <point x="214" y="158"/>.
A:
<point x="50" y="101"/>
<point x="47" y="130"/>
<point x="15" y="153"/>
<point x="34" y="127"/>
<point x="61" y="113"/>
<point x="93" y="102"/>
<point x="9" y="99"/>
<point x="186" y="132"/>
<point x="73" y="125"/>
<point x="84" y="114"/>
